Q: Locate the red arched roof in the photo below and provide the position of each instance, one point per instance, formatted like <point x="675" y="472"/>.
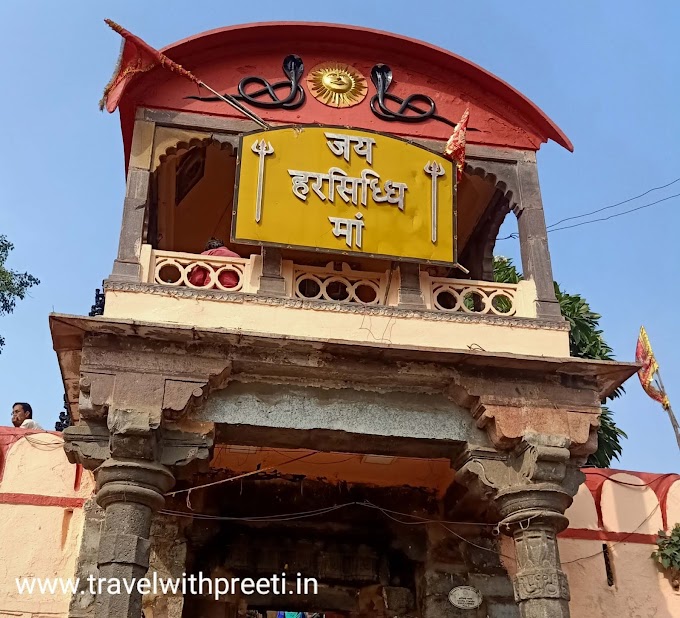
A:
<point x="502" y="115"/>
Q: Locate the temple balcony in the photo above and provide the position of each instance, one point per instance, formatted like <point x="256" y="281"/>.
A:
<point x="336" y="302"/>
<point x="182" y="190"/>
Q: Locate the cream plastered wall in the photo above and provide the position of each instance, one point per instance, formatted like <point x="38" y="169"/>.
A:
<point x="41" y="510"/>
<point x="258" y="317"/>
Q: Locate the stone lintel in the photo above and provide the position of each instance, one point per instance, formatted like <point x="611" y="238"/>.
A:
<point x="133" y="376"/>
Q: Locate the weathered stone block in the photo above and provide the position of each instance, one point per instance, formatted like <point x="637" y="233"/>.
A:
<point x="440" y="607"/>
<point x="437" y="583"/>
<point x="492" y="585"/>
<point x="483" y="559"/>
<point x="503" y="610"/>
<point x="124" y="548"/>
<point x="398" y="601"/>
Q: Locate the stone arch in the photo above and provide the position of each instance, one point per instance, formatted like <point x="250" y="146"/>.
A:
<point x="184" y="145"/>
<point x="185" y="185"/>
<point x="478" y="253"/>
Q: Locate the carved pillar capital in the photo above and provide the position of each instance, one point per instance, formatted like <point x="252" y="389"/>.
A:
<point x="139" y="482"/>
<point x="537" y="472"/>
<point x="530" y="488"/>
<point x="92" y="445"/>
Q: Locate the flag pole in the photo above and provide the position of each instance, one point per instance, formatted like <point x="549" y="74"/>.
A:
<point x="669" y="410"/>
<point x="227" y="98"/>
<point x="122" y="74"/>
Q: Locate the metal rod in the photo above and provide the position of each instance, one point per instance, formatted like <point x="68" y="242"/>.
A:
<point x="669" y="410"/>
<point x="227" y="98"/>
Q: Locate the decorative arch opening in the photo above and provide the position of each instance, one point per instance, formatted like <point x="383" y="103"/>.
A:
<point x="485" y="197"/>
<point x="191" y="197"/>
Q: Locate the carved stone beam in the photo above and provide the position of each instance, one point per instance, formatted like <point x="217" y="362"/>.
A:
<point x="512" y="406"/>
<point x="134" y="384"/>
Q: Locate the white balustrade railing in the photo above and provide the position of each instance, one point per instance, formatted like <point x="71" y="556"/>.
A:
<point x="475" y="297"/>
<point x="199" y="272"/>
<point x="341" y="286"/>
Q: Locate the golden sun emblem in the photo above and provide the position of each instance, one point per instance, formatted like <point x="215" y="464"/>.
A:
<point x="337" y="85"/>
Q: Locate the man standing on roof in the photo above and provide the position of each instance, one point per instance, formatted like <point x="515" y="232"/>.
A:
<point x="22" y="416"/>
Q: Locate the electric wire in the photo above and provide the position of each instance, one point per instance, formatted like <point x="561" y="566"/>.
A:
<point x="553" y="227"/>
<point x="630" y="199"/>
<point x="599" y="553"/>
<point x="239" y="476"/>
<point x="390" y="514"/>
<point x="618" y="214"/>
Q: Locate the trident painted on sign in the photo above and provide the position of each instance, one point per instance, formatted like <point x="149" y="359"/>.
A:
<point x="261" y="149"/>
<point x="435" y="170"/>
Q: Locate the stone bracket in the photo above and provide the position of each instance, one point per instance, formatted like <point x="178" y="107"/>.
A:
<point x="512" y="408"/>
<point x="537" y="479"/>
<point x="91" y="444"/>
<point x="87" y="444"/>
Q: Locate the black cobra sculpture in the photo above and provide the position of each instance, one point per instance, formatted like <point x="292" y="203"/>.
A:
<point x="414" y="108"/>
<point x="266" y="96"/>
<point x="258" y="92"/>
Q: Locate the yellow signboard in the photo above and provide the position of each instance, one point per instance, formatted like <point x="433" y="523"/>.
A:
<point x="340" y="190"/>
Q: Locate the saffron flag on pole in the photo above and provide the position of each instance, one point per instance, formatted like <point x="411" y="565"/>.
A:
<point x="455" y="147"/>
<point x="649" y="372"/>
<point x="136" y="57"/>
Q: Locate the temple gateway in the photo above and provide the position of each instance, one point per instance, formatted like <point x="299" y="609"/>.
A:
<point x="343" y="393"/>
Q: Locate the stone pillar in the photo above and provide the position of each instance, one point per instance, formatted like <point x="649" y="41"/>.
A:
<point x="130" y="491"/>
<point x="530" y="487"/>
<point x="272" y="282"/>
<point x="126" y="267"/>
<point x="410" y="294"/>
<point x="533" y="518"/>
<point x="533" y="238"/>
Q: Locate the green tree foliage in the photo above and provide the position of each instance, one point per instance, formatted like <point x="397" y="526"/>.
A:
<point x="667" y="553"/>
<point x="13" y="285"/>
<point x="585" y="341"/>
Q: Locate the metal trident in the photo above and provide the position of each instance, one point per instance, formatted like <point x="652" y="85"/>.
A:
<point x="261" y="149"/>
<point x="434" y="169"/>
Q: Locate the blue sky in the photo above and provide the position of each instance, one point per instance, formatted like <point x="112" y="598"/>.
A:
<point x="605" y="72"/>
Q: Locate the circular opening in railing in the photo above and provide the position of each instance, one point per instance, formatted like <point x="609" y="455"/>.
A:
<point x="337" y="290"/>
<point x="308" y="288"/>
<point x="446" y="300"/>
<point x="169" y="273"/>
<point x="199" y="277"/>
<point x="228" y="277"/>
<point x="473" y="302"/>
<point x="502" y="303"/>
<point x="365" y="293"/>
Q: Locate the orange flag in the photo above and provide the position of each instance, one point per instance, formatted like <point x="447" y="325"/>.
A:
<point x="136" y="57"/>
<point x="649" y="372"/>
<point x="455" y="147"/>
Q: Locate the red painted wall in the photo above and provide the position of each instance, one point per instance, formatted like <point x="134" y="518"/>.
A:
<point x="221" y="58"/>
